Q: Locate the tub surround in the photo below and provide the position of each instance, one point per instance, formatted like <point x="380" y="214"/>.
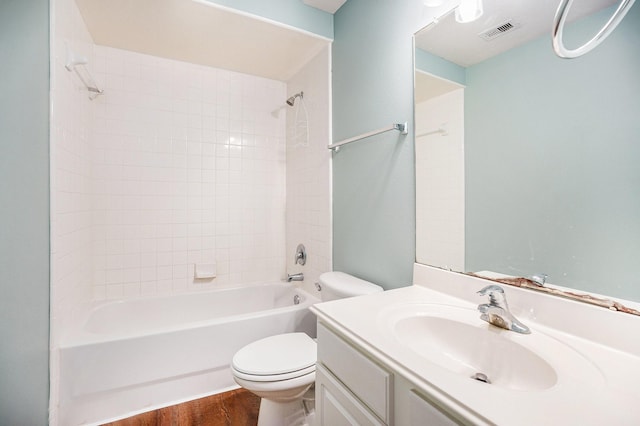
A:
<point x="597" y="373"/>
<point x="308" y="170"/>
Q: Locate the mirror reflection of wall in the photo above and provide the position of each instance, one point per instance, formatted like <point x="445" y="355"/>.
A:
<point x="550" y="168"/>
<point x="439" y="117"/>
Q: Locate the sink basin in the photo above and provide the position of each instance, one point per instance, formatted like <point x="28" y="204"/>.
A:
<point x="455" y="339"/>
<point x="468" y="350"/>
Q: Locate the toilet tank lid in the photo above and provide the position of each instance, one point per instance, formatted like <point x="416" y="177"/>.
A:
<point x="347" y="284"/>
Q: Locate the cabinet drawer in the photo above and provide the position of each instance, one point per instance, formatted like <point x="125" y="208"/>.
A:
<point x="335" y="406"/>
<point x="368" y="381"/>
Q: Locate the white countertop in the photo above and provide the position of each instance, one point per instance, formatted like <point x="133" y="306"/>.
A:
<point x="602" y="388"/>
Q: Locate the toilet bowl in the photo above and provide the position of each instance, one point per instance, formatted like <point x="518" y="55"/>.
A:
<point x="280" y="369"/>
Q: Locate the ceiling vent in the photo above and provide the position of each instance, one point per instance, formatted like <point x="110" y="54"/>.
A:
<point x="495" y="32"/>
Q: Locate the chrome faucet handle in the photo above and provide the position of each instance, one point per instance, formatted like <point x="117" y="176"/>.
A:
<point x="301" y="255"/>
<point x="496" y="296"/>
<point x="490" y="289"/>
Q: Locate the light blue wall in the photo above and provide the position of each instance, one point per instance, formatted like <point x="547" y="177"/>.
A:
<point x="24" y="212"/>
<point x="552" y="162"/>
<point x="435" y="65"/>
<point x="373" y="180"/>
<point x="291" y="12"/>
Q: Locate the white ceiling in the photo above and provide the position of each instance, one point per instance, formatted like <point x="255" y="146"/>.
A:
<point x="201" y="33"/>
<point x="429" y="86"/>
<point x="460" y="43"/>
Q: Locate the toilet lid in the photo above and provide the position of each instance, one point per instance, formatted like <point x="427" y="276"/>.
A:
<point x="280" y="354"/>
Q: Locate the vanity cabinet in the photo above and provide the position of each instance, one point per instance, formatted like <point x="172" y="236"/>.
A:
<point x="352" y="388"/>
<point x="350" y="384"/>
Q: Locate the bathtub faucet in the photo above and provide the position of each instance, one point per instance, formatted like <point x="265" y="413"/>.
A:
<point x="295" y="277"/>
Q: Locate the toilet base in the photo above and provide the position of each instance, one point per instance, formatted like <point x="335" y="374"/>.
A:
<point x="299" y="412"/>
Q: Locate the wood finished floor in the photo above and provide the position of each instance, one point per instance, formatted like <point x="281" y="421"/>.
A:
<point x="235" y="408"/>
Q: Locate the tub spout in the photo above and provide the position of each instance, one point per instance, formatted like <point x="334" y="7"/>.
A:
<point x="295" y="277"/>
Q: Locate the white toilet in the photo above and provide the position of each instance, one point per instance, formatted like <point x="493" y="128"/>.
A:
<point x="280" y="369"/>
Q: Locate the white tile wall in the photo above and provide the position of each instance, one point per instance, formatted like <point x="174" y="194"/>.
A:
<point x="70" y="156"/>
<point x="70" y="151"/>
<point x="188" y="167"/>
<point x="309" y="171"/>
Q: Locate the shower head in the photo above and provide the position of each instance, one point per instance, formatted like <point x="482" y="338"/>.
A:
<point x="292" y="99"/>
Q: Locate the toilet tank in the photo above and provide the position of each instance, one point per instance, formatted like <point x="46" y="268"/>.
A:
<point x="338" y="285"/>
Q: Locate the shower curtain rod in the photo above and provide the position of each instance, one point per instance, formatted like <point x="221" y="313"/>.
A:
<point x="403" y="128"/>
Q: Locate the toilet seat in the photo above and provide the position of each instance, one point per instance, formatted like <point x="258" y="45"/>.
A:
<point x="275" y="358"/>
<point x="274" y="377"/>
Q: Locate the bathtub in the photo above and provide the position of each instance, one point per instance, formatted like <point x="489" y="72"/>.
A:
<point x="131" y="356"/>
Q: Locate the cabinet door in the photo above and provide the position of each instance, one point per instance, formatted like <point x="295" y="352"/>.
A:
<point x="366" y="379"/>
<point x="423" y="412"/>
<point x="335" y="406"/>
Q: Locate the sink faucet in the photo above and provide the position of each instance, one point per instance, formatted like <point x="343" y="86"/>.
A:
<point x="496" y="312"/>
<point x="295" y="277"/>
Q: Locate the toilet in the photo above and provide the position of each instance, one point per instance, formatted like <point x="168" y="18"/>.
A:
<point x="280" y="369"/>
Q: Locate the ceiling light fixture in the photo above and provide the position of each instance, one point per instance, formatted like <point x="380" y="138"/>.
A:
<point x="468" y="11"/>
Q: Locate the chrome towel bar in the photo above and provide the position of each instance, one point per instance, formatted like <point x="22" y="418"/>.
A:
<point x="403" y="128"/>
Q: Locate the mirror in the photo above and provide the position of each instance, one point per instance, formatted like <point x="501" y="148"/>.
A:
<point x="528" y="164"/>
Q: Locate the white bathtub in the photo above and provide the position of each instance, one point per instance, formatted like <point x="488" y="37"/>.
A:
<point x="131" y="356"/>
